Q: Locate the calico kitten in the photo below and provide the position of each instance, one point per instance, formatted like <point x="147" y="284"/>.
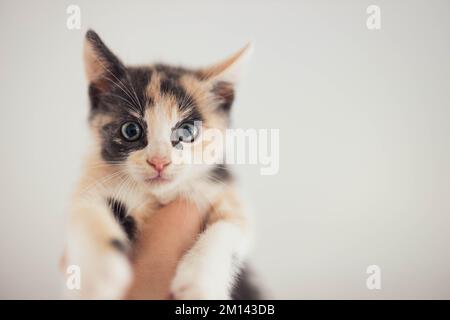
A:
<point x="142" y="118"/>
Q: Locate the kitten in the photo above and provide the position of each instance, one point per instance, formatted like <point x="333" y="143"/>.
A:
<point x="142" y="119"/>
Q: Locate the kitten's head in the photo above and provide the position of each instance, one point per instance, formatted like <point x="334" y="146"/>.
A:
<point x="151" y="121"/>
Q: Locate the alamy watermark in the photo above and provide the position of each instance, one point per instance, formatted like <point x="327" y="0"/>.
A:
<point x="373" y="21"/>
<point x="73" y="281"/>
<point x="234" y="146"/>
<point x="373" y="281"/>
<point x="73" y="21"/>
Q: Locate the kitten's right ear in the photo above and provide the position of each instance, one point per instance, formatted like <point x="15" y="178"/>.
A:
<point x="230" y="69"/>
<point x="102" y="67"/>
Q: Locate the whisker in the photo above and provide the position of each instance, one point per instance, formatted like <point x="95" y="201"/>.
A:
<point x="122" y="88"/>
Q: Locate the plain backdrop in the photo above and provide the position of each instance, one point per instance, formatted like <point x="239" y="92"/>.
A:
<point x="364" y="134"/>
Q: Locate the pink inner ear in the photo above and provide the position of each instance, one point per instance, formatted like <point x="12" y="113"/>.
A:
<point x="96" y="69"/>
<point x="93" y="68"/>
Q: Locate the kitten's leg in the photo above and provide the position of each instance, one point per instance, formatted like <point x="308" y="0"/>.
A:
<point x="208" y="270"/>
<point x="98" y="245"/>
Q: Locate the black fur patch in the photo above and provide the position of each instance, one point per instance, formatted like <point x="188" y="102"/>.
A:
<point x="170" y="84"/>
<point x="94" y="97"/>
<point x="123" y="105"/>
<point x="125" y="94"/>
<point x="114" y="146"/>
<point x="121" y="246"/>
<point x="172" y="87"/>
<point x="221" y="173"/>
<point x="127" y="222"/>
<point x="171" y="72"/>
<point x="245" y="288"/>
<point x="224" y="91"/>
<point x="139" y="78"/>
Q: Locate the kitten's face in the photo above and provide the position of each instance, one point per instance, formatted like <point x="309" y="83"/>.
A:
<point x="151" y="122"/>
<point x="155" y="133"/>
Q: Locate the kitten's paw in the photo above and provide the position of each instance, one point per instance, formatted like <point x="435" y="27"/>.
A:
<point x="105" y="275"/>
<point x="196" y="281"/>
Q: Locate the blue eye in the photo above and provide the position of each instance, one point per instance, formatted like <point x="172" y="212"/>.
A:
<point x="131" y="131"/>
<point x="186" y="132"/>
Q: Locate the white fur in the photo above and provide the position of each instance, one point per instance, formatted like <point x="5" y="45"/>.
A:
<point x="207" y="271"/>
<point x="105" y="271"/>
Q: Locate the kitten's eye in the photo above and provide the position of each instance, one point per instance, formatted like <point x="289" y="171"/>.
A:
<point x="186" y="132"/>
<point x="131" y="131"/>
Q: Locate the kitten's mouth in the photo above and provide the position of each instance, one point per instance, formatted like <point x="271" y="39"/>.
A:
<point x="157" y="179"/>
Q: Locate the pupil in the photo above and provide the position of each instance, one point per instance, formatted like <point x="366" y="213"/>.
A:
<point x="187" y="132"/>
<point x="184" y="133"/>
<point x="131" y="131"/>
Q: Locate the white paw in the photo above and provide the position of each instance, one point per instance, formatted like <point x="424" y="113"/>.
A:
<point x="197" y="280"/>
<point x="106" y="275"/>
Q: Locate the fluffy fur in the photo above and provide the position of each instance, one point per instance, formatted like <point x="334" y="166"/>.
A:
<point x="119" y="187"/>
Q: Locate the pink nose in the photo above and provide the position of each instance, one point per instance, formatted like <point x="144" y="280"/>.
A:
<point x="159" y="163"/>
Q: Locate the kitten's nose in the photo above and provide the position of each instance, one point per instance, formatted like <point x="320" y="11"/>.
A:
<point x="159" y="163"/>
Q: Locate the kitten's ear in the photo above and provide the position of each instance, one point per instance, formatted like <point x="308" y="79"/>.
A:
<point x="230" y="69"/>
<point x="101" y="65"/>
<point x="224" y="76"/>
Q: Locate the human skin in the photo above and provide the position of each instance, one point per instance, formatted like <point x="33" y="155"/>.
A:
<point x="163" y="240"/>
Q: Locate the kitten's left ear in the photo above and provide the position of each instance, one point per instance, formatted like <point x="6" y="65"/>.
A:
<point x="224" y="75"/>
<point x="230" y="69"/>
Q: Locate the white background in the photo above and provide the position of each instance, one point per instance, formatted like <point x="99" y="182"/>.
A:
<point x="363" y="118"/>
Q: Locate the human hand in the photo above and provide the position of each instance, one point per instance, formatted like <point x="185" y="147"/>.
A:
<point x="164" y="239"/>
